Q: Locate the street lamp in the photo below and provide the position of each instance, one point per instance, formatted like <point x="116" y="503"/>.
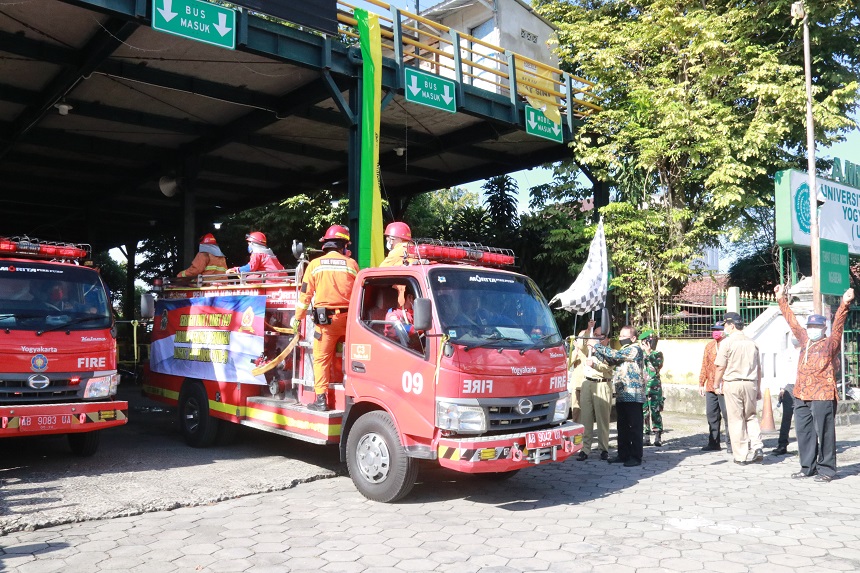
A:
<point x="798" y="12"/>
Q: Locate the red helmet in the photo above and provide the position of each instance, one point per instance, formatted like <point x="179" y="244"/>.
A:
<point x="336" y="233"/>
<point x="208" y="239"/>
<point x="398" y="230"/>
<point x="256" y="237"/>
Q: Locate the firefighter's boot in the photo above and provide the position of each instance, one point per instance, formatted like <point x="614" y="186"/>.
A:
<point x="319" y="404"/>
<point x="658" y="438"/>
<point x="646" y="441"/>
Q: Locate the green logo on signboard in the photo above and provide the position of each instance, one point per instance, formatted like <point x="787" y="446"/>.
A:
<point x="801" y="207"/>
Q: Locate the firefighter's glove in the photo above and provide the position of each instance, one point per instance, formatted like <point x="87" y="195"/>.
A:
<point x="295" y="324"/>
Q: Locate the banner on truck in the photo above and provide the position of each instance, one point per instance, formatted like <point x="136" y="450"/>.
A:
<point x="212" y="338"/>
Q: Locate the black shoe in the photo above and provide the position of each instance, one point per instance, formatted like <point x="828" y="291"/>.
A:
<point x="758" y="456"/>
<point x="823" y="478"/>
<point x="801" y="474"/>
<point x="729" y="450"/>
<point x="711" y="448"/>
<point x="658" y="439"/>
<point x="779" y="451"/>
<point x="615" y="460"/>
<point x="319" y="404"/>
<point x="604" y="455"/>
<point x="582" y="457"/>
<point x="632" y="462"/>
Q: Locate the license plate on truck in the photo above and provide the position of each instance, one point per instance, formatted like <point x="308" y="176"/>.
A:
<point x="543" y="439"/>
<point x="44" y="423"/>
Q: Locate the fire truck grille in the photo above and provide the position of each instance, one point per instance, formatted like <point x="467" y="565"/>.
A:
<point x="18" y="392"/>
<point x="506" y="417"/>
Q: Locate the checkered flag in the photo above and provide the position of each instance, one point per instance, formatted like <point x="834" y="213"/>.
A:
<point x="588" y="291"/>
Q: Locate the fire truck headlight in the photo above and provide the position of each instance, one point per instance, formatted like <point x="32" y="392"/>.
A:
<point x="562" y="407"/>
<point x="101" y="386"/>
<point x="460" y="418"/>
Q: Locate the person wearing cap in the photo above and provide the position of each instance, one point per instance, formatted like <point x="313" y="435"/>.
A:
<point x="738" y="378"/>
<point x="208" y="261"/>
<point x="815" y="391"/>
<point x="653" y="406"/>
<point x="715" y="404"/>
<point x="595" y="392"/>
<point x="328" y="280"/>
<point x="262" y="257"/>
<point x="397" y="237"/>
<point x="629" y="380"/>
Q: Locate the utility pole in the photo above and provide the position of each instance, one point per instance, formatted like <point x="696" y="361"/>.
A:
<point x="798" y="12"/>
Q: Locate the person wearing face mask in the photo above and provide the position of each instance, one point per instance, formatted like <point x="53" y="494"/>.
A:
<point x="815" y="391"/>
<point x="629" y="380"/>
<point x="397" y="237"/>
<point x="715" y="404"/>
<point x="738" y="378"/>
<point x="262" y="257"/>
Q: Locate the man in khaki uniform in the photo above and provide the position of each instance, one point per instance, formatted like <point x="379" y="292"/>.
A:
<point x="738" y="378"/>
<point x="595" y="398"/>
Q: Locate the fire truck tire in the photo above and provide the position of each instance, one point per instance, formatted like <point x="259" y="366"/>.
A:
<point x="377" y="462"/>
<point x="84" y="444"/>
<point x="198" y="427"/>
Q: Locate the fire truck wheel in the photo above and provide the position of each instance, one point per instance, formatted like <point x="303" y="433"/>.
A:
<point x="84" y="444"/>
<point x="378" y="464"/>
<point x="198" y="428"/>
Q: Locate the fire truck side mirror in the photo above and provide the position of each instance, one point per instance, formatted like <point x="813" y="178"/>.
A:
<point x="147" y="305"/>
<point x="298" y="250"/>
<point x="421" y="314"/>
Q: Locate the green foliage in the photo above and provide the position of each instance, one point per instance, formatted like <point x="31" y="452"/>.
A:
<point x="444" y="214"/>
<point x="501" y="206"/>
<point x="113" y="274"/>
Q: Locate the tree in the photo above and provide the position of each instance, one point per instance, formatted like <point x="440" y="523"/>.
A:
<point x="703" y="103"/>
<point x="442" y="214"/>
<point x="501" y="207"/>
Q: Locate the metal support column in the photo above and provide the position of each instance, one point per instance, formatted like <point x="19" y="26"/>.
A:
<point x="354" y="161"/>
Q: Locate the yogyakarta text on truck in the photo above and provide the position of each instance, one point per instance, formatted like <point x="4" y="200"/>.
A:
<point x="474" y="380"/>
<point x="57" y="345"/>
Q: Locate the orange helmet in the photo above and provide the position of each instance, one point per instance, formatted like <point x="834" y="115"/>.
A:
<point x="256" y="237"/>
<point x="336" y="233"/>
<point x="208" y="239"/>
<point x="398" y="230"/>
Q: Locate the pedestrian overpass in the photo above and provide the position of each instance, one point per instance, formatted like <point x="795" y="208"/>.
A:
<point x="111" y="130"/>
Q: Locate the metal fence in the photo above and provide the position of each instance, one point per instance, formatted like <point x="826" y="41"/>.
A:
<point x="684" y="318"/>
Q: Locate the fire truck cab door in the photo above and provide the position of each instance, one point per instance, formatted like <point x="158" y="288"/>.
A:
<point x="387" y="360"/>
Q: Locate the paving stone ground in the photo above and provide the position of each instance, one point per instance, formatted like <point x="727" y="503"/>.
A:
<point x="682" y="510"/>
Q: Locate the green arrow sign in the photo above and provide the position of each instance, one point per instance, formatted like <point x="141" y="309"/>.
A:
<point x="538" y="124"/>
<point x="431" y="90"/>
<point x="834" y="267"/>
<point x="196" y="20"/>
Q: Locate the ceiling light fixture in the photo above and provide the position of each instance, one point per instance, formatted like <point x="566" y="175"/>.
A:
<point x="63" y="108"/>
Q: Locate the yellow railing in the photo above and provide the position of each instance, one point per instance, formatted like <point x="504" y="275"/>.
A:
<point x="432" y="46"/>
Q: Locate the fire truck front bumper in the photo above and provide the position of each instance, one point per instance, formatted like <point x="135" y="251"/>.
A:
<point x="76" y="417"/>
<point x="508" y="452"/>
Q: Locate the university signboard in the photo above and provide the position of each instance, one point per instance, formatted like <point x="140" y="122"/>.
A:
<point x="838" y="216"/>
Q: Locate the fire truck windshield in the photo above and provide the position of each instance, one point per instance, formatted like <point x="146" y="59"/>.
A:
<point x="44" y="297"/>
<point x="485" y="307"/>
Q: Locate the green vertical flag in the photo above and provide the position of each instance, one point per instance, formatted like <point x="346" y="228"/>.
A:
<point x="370" y="240"/>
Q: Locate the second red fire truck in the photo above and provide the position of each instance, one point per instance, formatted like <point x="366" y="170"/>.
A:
<point x="477" y="382"/>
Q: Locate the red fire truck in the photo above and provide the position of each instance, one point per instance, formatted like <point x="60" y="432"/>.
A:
<point x="475" y="380"/>
<point x="57" y="345"/>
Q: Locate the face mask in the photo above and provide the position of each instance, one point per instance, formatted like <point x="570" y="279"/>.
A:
<point x="625" y="341"/>
<point x="815" y="333"/>
<point x="389" y="244"/>
<point x="250" y="250"/>
<point x="717" y="334"/>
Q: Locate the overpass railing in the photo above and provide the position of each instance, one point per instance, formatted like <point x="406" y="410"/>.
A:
<point x="413" y="40"/>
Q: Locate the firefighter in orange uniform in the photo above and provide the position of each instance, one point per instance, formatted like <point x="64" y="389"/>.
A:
<point x="328" y="280"/>
<point x="262" y="257"/>
<point x="208" y="261"/>
<point x="397" y="237"/>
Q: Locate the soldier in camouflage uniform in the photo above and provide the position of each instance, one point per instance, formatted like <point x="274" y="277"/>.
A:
<point x="653" y="406"/>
